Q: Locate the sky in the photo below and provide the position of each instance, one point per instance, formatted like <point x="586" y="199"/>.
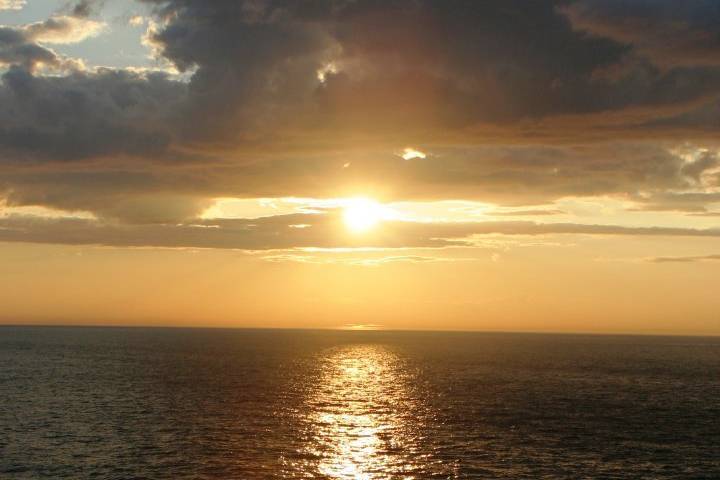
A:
<point x="502" y="165"/>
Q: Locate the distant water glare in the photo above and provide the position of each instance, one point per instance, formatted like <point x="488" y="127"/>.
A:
<point x="252" y="404"/>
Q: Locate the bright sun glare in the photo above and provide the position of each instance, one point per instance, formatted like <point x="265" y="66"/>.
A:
<point x="362" y="214"/>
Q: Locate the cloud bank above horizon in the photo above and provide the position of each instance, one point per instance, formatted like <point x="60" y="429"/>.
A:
<point x="522" y="106"/>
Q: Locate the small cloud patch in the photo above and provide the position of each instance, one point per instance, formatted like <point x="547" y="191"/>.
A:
<point x="410" y="153"/>
<point x="136" y="21"/>
<point x="12" y="4"/>
<point x="686" y="259"/>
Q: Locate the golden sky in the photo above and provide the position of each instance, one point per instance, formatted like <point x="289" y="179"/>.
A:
<point x="503" y="165"/>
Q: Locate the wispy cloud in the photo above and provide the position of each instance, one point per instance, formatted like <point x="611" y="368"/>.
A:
<point x="324" y="231"/>
<point x="686" y="259"/>
<point x="363" y="261"/>
<point x="524" y="213"/>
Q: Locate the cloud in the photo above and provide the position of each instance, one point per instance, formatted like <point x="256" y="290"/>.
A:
<point x="704" y="162"/>
<point x="84" y="115"/>
<point x="255" y="68"/>
<point x="364" y="261"/>
<point x="59" y="175"/>
<point x="12" y="4"/>
<point x="275" y="233"/>
<point x="687" y="259"/>
<point x="62" y="29"/>
<point x="396" y="67"/>
<point x="524" y="213"/>
<point x="16" y="50"/>
<point x="694" y="202"/>
<point x="670" y="32"/>
<point x="705" y="214"/>
<point x="26" y="45"/>
<point x="84" y="8"/>
<point x="521" y="103"/>
<point x="137" y="20"/>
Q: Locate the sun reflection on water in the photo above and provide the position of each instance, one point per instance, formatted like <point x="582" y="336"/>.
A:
<point x="363" y="420"/>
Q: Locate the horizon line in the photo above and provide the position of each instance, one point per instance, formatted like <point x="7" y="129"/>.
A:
<point x="363" y="330"/>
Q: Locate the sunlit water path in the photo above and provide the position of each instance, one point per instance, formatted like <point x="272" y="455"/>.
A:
<point x="365" y="418"/>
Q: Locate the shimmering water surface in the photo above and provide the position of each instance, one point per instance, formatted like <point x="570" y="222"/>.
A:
<point x="174" y="404"/>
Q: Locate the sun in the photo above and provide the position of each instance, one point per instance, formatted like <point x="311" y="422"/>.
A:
<point x="362" y="214"/>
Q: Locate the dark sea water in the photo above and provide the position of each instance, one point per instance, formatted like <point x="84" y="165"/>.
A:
<point x="118" y="403"/>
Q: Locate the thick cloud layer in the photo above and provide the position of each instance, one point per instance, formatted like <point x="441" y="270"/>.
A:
<point x="419" y="67"/>
<point x="515" y="102"/>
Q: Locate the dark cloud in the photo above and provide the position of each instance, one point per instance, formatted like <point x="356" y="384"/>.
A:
<point x="132" y="196"/>
<point x="85" y="8"/>
<point x="702" y="120"/>
<point x="17" y="49"/>
<point x="84" y="115"/>
<point x="670" y="32"/>
<point x="401" y="68"/>
<point x="409" y="65"/>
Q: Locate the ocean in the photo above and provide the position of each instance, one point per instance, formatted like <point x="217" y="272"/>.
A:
<point x="155" y="403"/>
